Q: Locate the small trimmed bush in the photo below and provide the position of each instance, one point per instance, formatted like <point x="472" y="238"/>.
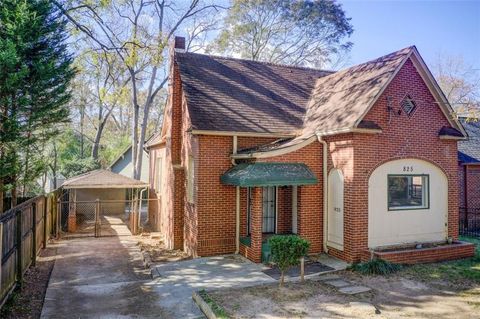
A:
<point x="376" y="267"/>
<point x="287" y="251"/>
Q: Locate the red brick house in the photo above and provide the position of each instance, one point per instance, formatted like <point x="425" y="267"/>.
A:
<point x="469" y="162"/>
<point x="351" y="160"/>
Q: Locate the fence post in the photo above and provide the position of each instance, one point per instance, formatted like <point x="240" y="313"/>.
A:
<point x="1" y="252"/>
<point x="45" y="204"/>
<point x="34" y="234"/>
<point x="19" y="248"/>
<point x="97" y="218"/>
<point x="57" y="219"/>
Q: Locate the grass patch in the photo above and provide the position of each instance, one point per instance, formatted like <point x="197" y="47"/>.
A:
<point x="218" y="310"/>
<point x="376" y="267"/>
<point x="464" y="271"/>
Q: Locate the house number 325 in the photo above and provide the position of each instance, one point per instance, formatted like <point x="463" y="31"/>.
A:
<point x="408" y="168"/>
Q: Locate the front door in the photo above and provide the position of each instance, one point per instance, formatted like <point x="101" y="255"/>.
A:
<point x="335" y="209"/>
<point x="269" y="209"/>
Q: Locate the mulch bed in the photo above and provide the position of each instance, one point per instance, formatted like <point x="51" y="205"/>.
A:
<point x="311" y="267"/>
<point x="27" y="302"/>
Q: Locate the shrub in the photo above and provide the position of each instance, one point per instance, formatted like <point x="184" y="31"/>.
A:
<point x="376" y="267"/>
<point x="287" y="251"/>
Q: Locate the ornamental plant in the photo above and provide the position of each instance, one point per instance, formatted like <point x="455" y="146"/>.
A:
<point x="287" y="251"/>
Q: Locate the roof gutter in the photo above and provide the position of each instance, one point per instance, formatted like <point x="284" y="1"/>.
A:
<point x="242" y="134"/>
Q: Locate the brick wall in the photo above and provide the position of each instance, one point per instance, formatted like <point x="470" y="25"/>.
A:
<point x="403" y="136"/>
<point x="424" y="255"/>
<point x="472" y="186"/>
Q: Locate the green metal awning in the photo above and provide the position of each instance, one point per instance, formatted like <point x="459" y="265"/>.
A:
<point x="269" y="174"/>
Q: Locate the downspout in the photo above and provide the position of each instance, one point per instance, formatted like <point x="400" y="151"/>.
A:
<point x="140" y="207"/>
<point x="325" y="191"/>
<point x="237" y="202"/>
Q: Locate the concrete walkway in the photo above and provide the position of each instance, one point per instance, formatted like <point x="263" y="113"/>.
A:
<point x="100" y="278"/>
<point x="176" y="281"/>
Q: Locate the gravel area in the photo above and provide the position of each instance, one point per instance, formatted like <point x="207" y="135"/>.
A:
<point x="154" y="246"/>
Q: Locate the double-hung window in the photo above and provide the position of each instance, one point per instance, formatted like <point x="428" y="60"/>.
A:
<point x="408" y="192"/>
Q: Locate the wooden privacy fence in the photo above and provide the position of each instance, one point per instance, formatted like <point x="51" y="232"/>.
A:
<point x="24" y="231"/>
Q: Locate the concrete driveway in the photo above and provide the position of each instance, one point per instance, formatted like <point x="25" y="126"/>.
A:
<point x="104" y="278"/>
<point x="100" y="278"/>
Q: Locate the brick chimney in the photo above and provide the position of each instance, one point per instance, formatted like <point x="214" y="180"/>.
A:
<point x="179" y="44"/>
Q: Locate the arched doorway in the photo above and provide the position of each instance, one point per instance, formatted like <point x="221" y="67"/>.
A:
<point x="407" y="203"/>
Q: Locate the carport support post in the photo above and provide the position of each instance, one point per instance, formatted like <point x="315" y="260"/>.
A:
<point x="57" y="219"/>
<point x="97" y="218"/>
<point x="72" y="213"/>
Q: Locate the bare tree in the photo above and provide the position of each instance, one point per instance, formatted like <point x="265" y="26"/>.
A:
<point x="137" y="32"/>
<point x="461" y="84"/>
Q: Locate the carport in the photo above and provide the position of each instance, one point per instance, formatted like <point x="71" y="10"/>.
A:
<point x="101" y="203"/>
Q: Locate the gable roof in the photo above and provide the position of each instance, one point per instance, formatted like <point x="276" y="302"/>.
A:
<point x="101" y="178"/>
<point x="340" y="99"/>
<point x="234" y="95"/>
<point x="469" y="150"/>
<point x="226" y="94"/>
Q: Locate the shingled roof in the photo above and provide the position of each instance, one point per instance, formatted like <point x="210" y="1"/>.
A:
<point x="234" y="95"/>
<point x="226" y="94"/>
<point x="469" y="150"/>
<point x="340" y="99"/>
<point x="101" y="178"/>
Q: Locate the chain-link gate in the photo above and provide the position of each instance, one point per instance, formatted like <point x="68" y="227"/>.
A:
<point x="100" y="218"/>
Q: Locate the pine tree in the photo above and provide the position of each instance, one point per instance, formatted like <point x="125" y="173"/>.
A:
<point x="35" y="72"/>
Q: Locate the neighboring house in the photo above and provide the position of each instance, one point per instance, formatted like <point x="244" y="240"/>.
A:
<point x="359" y="159"/>
<point x="469" y="166"/>
<point x="123" y="164"/>
<point x="49" y="184"/>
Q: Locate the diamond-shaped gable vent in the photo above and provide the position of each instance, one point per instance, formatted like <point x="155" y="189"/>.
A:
<point x="408" y="105"/>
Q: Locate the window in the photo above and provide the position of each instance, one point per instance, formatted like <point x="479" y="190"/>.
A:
<point x="158" y="174"/>
<point x="190" y="180"/>
<point x="408" y="105"/>
<point x="269" y="209"/>
<point x="408" y="192"/>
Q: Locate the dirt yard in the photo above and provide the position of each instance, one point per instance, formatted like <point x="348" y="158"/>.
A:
<point x="438" y="291"/>
<point x="154" y="246"/>
<point x="27" y="302"/>
<point x="392" y="297"/>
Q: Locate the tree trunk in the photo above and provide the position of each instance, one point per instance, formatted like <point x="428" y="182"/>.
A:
<point x="2" y="195"/>
<point x="135" y="140"/>
<point x="54" y="168"/>
<point x="141" y="140"/>
<point x="282" y="279"/>
<point x="96" y="141"/>
<point x="13" y="193"/>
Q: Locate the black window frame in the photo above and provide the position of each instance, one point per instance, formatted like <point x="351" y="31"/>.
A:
<point x="401" y="208"/>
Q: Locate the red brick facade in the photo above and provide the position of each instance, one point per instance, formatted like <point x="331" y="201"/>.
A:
<point x="424" y="255"/>
<point x="207" y="226"/>
<point x="469" y="191"/>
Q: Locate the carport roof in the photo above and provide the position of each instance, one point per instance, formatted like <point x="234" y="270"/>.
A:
<point x="101" y="178"/>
